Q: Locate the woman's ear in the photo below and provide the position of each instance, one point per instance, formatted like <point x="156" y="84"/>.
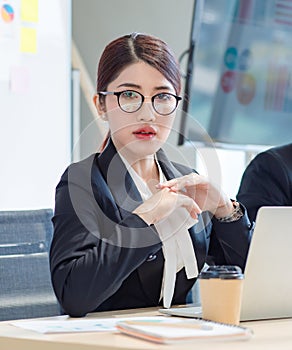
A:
<point x="100" y="106"/>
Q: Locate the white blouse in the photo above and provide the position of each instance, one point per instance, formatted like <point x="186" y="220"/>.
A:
<point x="177" y="245"/>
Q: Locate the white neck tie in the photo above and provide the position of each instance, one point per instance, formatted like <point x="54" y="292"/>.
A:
<point x="177" y="245"/>
<point x="177" y="249"/>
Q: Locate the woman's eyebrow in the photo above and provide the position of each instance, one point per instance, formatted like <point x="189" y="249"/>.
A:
<point x="131" y="85"/>
<point x="163" y="87"/>
<point x="136" y="86"/>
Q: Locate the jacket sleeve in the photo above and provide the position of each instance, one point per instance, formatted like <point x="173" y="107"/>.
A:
<point x="230" y="241"/>
<point x="92" y="253"/>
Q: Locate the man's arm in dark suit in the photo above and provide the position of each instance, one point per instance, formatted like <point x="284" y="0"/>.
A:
<point x="265" y="182"/>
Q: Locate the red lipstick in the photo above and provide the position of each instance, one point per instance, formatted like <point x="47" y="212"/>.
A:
<point x="145" y="133"/>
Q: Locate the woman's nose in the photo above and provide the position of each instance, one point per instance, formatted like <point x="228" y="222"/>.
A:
<point x="146" y="112"/>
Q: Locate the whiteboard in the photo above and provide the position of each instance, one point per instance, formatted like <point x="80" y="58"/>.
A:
<point x="35" y="95"/>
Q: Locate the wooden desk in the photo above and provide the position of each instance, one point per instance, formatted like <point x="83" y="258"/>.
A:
<point x="272" y="334"/>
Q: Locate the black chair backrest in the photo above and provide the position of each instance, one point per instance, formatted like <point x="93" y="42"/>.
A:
<point x="25" y="281"/>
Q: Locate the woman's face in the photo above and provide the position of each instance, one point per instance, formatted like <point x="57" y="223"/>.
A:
<point x="141" y="133"/>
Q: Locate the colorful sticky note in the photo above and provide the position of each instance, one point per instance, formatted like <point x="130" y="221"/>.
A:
<point x="28" y="40"/>
<point x="19" y="79"/>
<point x="29" y="10"/>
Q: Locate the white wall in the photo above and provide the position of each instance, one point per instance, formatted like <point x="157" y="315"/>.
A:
<point x="225" y="167"/>
<point x="35" y="132"/>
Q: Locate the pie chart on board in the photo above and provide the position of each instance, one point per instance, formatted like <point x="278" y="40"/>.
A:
<point x="7" y="13"/>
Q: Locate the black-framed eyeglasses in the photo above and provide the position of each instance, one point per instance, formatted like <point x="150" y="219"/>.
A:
<point x="130" y="101"/>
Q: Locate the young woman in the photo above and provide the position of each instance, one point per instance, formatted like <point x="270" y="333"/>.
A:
<point x="133" y="229"/>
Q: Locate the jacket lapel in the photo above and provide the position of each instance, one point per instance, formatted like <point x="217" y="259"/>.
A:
<point x="167" y="167"/>
<point x="119" y="181"/>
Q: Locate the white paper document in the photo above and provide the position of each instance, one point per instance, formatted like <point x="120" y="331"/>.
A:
<point x="66" y="324"/>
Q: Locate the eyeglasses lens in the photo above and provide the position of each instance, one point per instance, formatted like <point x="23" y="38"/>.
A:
<point x="130" y="101"/>
<point x="164" y="104"/>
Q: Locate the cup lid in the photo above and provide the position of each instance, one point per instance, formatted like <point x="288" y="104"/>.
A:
<point x="222" y="272"/>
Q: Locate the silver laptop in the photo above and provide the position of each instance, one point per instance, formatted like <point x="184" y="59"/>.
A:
<point x="267" y="291"/>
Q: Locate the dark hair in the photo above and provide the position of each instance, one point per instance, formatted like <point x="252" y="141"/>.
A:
<point x="133" y="48"/>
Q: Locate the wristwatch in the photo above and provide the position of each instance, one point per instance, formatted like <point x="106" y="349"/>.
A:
<point x="236" y="214"/>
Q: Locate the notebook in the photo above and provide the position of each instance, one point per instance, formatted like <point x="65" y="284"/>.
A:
<point x="267" y="291"/>
<point x="170" y="330"/>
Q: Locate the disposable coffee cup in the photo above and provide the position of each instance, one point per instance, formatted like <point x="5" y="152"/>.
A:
<point x="221" y="293"/>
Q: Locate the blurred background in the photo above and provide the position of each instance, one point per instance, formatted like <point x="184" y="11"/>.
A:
<point x="235" y="58"/>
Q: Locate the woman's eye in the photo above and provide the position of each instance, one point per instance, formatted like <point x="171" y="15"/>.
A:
<point x="163" y="97"/>
<point x="129" y="94"/>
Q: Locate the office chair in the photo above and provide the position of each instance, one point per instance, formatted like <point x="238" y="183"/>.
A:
<point x="25" y="281"/>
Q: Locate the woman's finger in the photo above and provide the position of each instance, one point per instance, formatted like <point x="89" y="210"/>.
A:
<point x="182" y="182"/>
<point x="167" y="184"/>
<point x="189" y="204"/>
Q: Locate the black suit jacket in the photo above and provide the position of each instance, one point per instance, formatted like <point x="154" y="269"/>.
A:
<point x="103" y="257"/>
<point x="267" y="180"/>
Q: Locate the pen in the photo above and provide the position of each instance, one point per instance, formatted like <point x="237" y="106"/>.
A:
<point x="203" y="327"/>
